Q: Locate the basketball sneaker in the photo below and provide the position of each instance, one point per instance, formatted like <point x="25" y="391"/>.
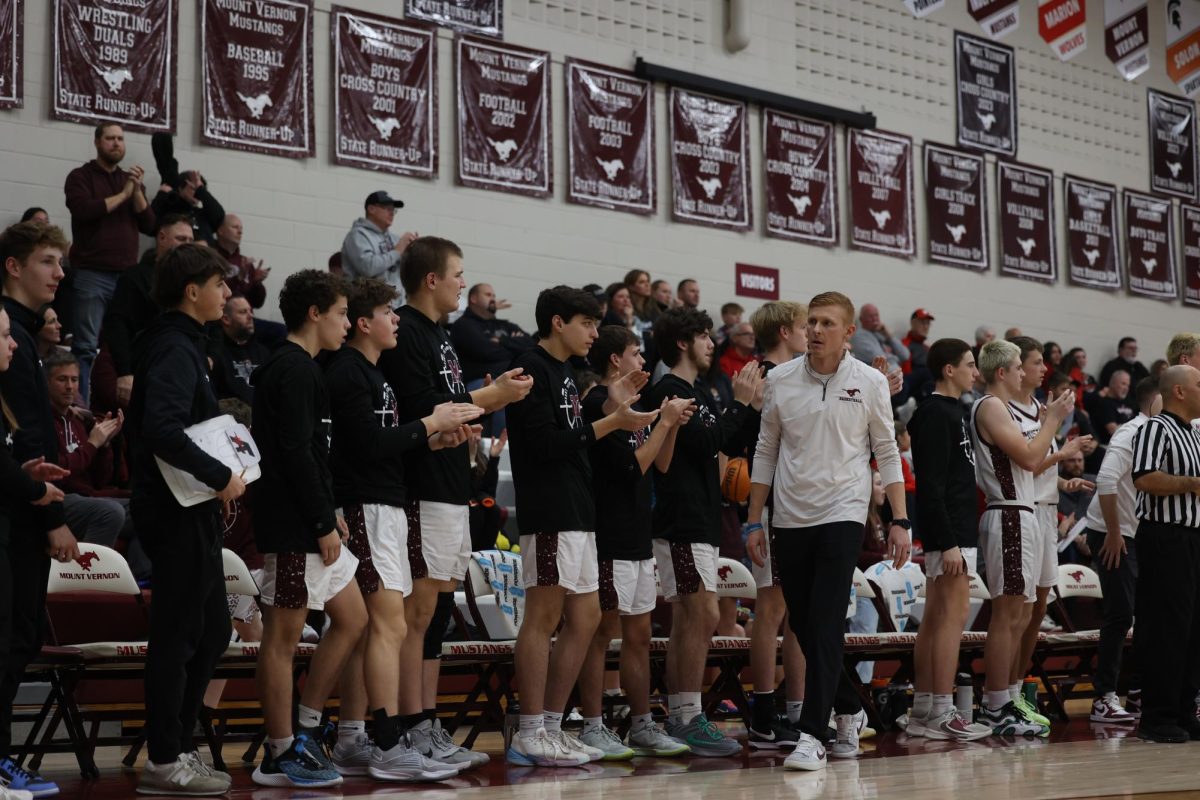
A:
<point x="1133" y="703"/>
<point x="705" y="739"/>
<point x="180" y="777"/>
<point x="1108" y="709"/>
<point x="298" y="766"/>
<point x="1030" y="712"/>
<point x="652" y="741"/>
<point x="353" y="758"/>
<point x="809" y="754"/>
<point x="952" y="726"/>
<point x="432" y="741"/>
<point x="542" y="750"/>
<point x="405" y="764"/>
<point x="14" y="794"/>
<point x="607" y="742"/>
<point x="912" y="725"/>
<point x="1009" y="721"/>
<point x="775" y="736"/>
<point x="572" y="743"/>
<point x="849" y="726"/>
<point x="17" y="778"/>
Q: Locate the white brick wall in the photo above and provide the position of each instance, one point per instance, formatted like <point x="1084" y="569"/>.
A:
<point x="1078" y="117"/>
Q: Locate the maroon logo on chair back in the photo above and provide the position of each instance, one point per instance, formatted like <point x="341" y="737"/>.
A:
<point x="482" y="17"/>
<point x="1093" y="255"/>
<point x="1150" y="246"/>
<point x="710" y="156"/>
<point x="800" y="158"/>
<point x="723" y="572"/>
<point x="86" y="560"/>
<point x="956" y="200"/>
<point x="1076" y="575"/>
<point x="1027" y="246"/>
<point x="881" y="192"/>
<point x="12" y="56"/>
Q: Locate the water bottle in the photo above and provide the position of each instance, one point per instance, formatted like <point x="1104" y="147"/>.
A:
<point x="512" y="722"/>
<point x="1029" y="688"/>
<point x="964" y="695"/>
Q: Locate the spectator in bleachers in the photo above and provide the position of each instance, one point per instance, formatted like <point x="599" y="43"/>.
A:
<point x="1157" y="368"/>
<point x="487" y="345"/>
<point x="660" y="290"/>
<point x="371" y="249"/>
<point x="246" y="275"/>
<point x="1012" y="333"/>
<point x="241" y="351"/>
<point x="872" y="338"/>
<point x="1075" y="365"/>
<point x="108" y="208"/>
<point x="916" y="374"/>
<point x="740" y="349"/>
<point x="688" y="293"/>
<point x="619" y="310"/>
<point x="1184" y="348"/>
<point x="731" y="317"/>
<point x="983" y="335"/>
<point x="1074" y="498"/>
<point x="49" y="337"/>
<point x="36" y="214"/>
<point x="1077" y="424"/>
<point x="184" y="193"/>
<point x="1110" y="407"/>
<point x="641" y="291"/>
<point x="1052" y="355"/>
<point x="1127" y="360"/>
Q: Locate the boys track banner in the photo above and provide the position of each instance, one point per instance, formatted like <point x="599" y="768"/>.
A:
<point x="114" y="61"/>
<point x="384" y="93"/>
<point x="12" y="53"/>
<point x="1191" y="254"/>
<point x="1150" y="246"/>
<point x="800" y="158"/>
<point x="710" y="159"/>
<point x="480" y="17"/>
<point x="256" y="68"/>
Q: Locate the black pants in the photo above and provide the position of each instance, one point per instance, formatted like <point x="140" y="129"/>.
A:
<point x="1166" y="639"/>
<point x="1119" y="586"/>
<point x="816" y="569"/>
<point x="24" y="590"/>
<point x="189" y="626"/>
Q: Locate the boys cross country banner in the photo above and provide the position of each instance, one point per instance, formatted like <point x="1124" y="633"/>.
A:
<point x="385" y="93"/>
<point x="1183" y="45"/>
<point x="1127" y="36"/>
<point x="1191" y="255"/>
<point x="610" y="153"/>
<point x="1173" y="159"/>
<point x="482" y="17"/>
<point x="1027" y="247"/>
<point x="710" y="157"/>
<point x="1062" y="24"/>
<point x="1150" y="246"/>
<point x="998" y="18"/>
<point x="1093" y="255"/>
<point x="256" y="67"/>
<point x="923" y="8"/>
<point x="12" y="54"/>
<point x="800" y="156"/>
<point x="114" y="60"/>
<point x="955" y="199"/>
<point x="985" y="75"/>
<point x="503" y="117"/>
<point x="882" y="217"/>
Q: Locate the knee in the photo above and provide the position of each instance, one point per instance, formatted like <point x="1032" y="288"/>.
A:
<point x="390" y="628"/>
<point x="636" y="636"/>
<point x="584" y="617"/>
<point x="608" y="629"/>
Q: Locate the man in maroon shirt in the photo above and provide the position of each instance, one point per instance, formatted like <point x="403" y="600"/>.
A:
<point x="108" y="207"/>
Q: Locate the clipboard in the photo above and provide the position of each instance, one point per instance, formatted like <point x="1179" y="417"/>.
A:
<point x="224" y="439"/>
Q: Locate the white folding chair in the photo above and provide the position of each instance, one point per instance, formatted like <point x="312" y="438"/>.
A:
<point x="734" y="580"/>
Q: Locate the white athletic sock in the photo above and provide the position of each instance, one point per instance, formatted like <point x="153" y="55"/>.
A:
<point x="794" y="707"/>
<point x="996" y="700"/>
<point x="1014" y="691"/>
<point x="308" y="717"/>
<point x="592" y="723"/>
<point x="529" y="725"/>
<point x="922" y="703"/>
<point x="941" y="704"/>
<point x="551" y="721"/>
<point x="280" y="746"/>
<point x="350" y="730"/>
<point x="689" y="706"/>
<point x="641" y="721"/>
<point x="673" y="708"/>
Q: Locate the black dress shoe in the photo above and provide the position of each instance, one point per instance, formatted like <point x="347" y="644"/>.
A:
<point x="1163" y="734"/>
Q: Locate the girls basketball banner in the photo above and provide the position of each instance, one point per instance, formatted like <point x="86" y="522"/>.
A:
<point x="481" y="17"/>
<point x="955" y="199"/>
<point x="610" y="154"/>
<point x="384" y="94"/>
<point x="1150" y="246"/>
<point x="923" y="8"/>
<point x="1062" y="24"/>
<point x="985" y="75"/>
<point x="1173" y="159"/>
<point x="256" y="63"/>
<point x="12" y="54"/>
<point x="1027" y="247"/>
<point x="1127" y="36"/>
<point x="503" y="117"/>
<point x="1093" y="255"/>
<point x="800" y="156"/>
<point x="1183" y="45"/>
<point x="710" y="158"/>
<point x="1191" y="255"/>
<point x="998" y="18"/>
<point x="114" y="60"/>
<point x="882" y="217"/>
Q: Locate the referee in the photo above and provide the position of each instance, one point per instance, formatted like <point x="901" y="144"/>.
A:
<point x="1166" y="474"/>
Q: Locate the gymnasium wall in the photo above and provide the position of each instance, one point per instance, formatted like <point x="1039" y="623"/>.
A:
<point x="1080" y="117"/>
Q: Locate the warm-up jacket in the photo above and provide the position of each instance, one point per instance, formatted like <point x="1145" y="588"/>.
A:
<point x="368" y="252"/>
<point x="130" y="311"/>
<point x="622" y="491"/>
<point x="17" y="489"/>
<point x="947" y="507"/>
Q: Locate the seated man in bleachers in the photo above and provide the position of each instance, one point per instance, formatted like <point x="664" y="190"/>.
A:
<point x="241" y="351"/>
<point x="247" y="277"/>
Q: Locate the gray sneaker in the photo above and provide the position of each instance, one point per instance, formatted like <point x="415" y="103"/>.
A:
<point x="430" y="739"/>
<point x="607" y="742"/>
<point x="180" y="778"/>
<point x="848" y="728"/>
<point x="201" y="766"/>
<point x="404" y="764"/>
<point x="653" y="742"/>
<point x="353" y="758"/>
<point x="705" y="739"/>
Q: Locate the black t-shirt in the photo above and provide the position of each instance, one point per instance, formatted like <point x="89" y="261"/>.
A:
<point x="947" y="509"/>
<point x="622" y="491"/>
<point x="1106" y="410"/>
<point x="424" y="371"/>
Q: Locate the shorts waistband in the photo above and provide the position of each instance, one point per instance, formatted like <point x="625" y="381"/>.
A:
<point x="1053" y="503"/>
<point x="1006" y="506"/>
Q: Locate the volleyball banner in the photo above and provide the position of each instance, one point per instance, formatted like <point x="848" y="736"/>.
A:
<point x="882" y="217"/>
<point x="1093" y="252"/>
<point x="1173" y="156"/>
<point x="710" y="158"/>
<point x="1027" y="246"/>
<point x="1127" y="36"/>
<point x="800" y="157"/>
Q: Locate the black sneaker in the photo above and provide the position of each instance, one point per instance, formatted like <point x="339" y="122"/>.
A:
<point x="1163" y="734"/>
<point x="774" y="736"/>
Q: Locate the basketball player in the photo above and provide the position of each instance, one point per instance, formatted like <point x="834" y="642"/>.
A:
<point x="424" y="371"/>
<point x="1004" y="465"/>
<point x="550" y="439"/>
<point x="369" y="487"/>
<point x="621" y="486"/>
<point x="687" y="517"/>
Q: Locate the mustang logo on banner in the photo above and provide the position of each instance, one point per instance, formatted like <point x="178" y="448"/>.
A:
<point x="998" y="18"/>
<point x="955" y="198"/>
<point x="12" y="57"/>
<point x="710" y="157"/>
<point x="800" y="160"/>
<point x="1150" y="246"/>
<point x="1062" y="24"/>
<point x="1093" y="255"/>
<point x="1127" y="36"/>
<point x="882" y="218"/>
<point x="923" y="8"/>
<point x="1027" y="247"/>
<point x="985" y="77"/>
<point x="1183" y="45"/>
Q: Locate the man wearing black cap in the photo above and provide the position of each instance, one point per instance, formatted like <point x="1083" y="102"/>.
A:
<point x="370" y="249"/>
<point x="917" y="378"/>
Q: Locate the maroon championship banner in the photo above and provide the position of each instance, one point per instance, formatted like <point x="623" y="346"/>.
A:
<point x="1191" y="255"/>
<point x="1127" y="36"/>
<point x="1062" y="24"/>
<point x="998" y="18"/>
<point x="985" y="77"/>
<point x="114" y="60"/>
<point x="384" y="94"/>
<point x="710" y="158"/>
<point x="256" y="63"/>
<point x="610" y="152"/>
<point x="503" y="117"/>
<point x="1173" y="159"/>
<point x="12" y="53"/>
<point x="955" y="200"/>
<point x="1027" y="248"/>
<point x="1150" y="246"/>
<point x="882" y="217"/>
<point x="801" y="165"/>
<point x="482" y="17"/>
<point x="1093" y="252"/>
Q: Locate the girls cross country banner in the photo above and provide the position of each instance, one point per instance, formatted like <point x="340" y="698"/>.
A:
<point x="985" y="76"/>
<point x="1093" y="255"/>
<point x="710" y="157"/>
<point x="12" y="54"/>
<point x="1027" y="246"/>
<point x="480" y="17"/>
<point x="800" y="158"/>
<point x="882" y="217"/>
<point x="1127" y="36"/>
<point x="1150" y="246"/>
<point x="956" y="201"/>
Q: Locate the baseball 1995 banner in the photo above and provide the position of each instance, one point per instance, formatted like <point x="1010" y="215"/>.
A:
<point x="12" y="53"/>
<point x="481" y="17"/>
<point x="385" y="93"/>
<point x="985" y="77"/>
<point x="1093" y="255"/>
<point x="1027" y="247"/>
<point x="800" y="156"/>
<point x="882" y="217"/>
<point x="1173" y="156"/>
<point x="1191" y="255"/>
<point x="1127" y="36"/>
<point x="955" y="198"/>
<point x="1150" y="246"/>
<point x="256" y="63"/>
<point x="710" y="158"/>
<point x="610" y="152"/>
<point x="503" y="117"/>
<point x="114" y="60"/>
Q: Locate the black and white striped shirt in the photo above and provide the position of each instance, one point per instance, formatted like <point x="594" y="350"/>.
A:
<point x="1169" y="445"/>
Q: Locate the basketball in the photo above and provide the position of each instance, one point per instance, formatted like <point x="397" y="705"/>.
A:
<point x="735" y="486"/>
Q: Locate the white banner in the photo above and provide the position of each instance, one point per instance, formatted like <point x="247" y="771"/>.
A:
<point x="923" y="8"/>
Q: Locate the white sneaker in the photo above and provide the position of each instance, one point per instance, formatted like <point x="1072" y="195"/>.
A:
<point x="572" y="743"/>
<point x="204" y="769"/>
<point x="353" y="758"/>
<point x="404" y="764"/>
<point x="913" y="725"/>
<point x="542" y="750"/>
<point x="848" y="728"/>
<point x="952" y="726"/>
<point x="14" y="794"/>
<point x="607" y="742"/>
<point x="180" y="777"/>
<point x="431" y="740"/>
<point x="1108" y="709"/>
<point x="808" y="755"/>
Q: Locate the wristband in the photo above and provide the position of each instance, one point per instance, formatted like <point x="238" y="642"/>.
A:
<point x="751" y="527"/>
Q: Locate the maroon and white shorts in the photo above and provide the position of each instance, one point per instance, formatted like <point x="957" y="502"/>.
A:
<point x="301" y="580"/>
<point x="566" y="558"/>
<point x="379" y="540"/>
<point x="1012" y="550"/>
<point x="766" y="576"/>
<point x="627" y="587"/>
<point x="439" y="540"/>
<point x="685" y="568"/>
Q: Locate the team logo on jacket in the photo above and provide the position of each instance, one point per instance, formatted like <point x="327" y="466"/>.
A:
<point x="965" y="444"/>
<point x="571" y="405"/>
<point x="639" y="437"/>
<point x="387" y="413"/>
<point x="451" y="370"/>
<point x="851" y="396"/>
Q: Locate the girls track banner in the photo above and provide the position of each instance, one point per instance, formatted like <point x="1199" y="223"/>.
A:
<point x="956" y="204"/>
<point x="1191" y="254"/>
